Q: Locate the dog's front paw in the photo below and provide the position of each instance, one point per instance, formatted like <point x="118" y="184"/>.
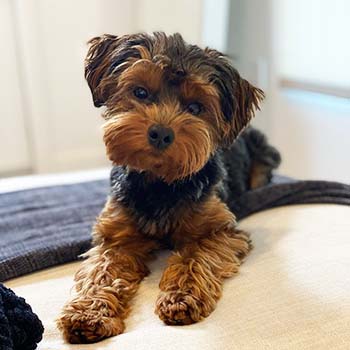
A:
<point x="179" y="308"/>
<point x="81" y="325"/>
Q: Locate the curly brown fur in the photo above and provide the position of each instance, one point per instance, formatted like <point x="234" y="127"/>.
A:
<point x="173" y="116"/>
<point x="208" y="248"/>
<point x="108" y="278"/>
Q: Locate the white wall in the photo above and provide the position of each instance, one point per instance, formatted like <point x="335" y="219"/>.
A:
<point x="201" y="22"/>
<point x="52" y="38"/>
<point x="181" y="16"/>
<point x="312" y="133"/>
<point x="250" y="44"/>
<point x="14" y="155"/>
<point x="311" y="130"/>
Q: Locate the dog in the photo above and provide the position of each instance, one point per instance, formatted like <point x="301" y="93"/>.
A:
<point x="174" y="120"/>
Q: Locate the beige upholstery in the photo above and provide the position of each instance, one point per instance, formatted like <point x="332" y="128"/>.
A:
<point x="293" y="292"/>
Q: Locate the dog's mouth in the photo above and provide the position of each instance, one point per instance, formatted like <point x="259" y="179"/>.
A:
<point x="157" y="165"/>
<point x="162" y="166"/>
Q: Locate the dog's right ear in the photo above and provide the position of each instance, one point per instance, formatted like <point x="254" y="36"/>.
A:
<point x="97" y="64"/>
<point x="107" y="57"/>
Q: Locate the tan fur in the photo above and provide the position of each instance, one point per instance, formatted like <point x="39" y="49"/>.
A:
<point x="208" y="249"/>
<point x="258" y="175"/>
<point x="108" y="279"/>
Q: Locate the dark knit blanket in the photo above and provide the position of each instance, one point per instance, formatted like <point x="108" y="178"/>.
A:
<point x="44" y="227"/>
<point x="20" y="328"/>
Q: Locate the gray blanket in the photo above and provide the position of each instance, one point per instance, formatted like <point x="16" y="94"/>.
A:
<point x="48" y="226"/>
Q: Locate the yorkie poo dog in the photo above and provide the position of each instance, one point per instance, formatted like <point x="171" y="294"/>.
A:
<point x="173" y="114"/>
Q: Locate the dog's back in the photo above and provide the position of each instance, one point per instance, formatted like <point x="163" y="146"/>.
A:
<point x="249" y="162"/>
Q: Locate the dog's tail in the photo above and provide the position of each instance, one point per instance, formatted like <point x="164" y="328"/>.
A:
<point x="264" y="158"/>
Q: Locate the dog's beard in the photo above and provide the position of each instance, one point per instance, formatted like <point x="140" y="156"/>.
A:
<point x="125" y="137"/>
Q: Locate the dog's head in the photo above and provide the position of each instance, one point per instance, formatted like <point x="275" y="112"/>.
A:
<point x="169" y="105"/>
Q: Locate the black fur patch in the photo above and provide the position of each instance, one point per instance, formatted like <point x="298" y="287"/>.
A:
<point x="156" y="201"/>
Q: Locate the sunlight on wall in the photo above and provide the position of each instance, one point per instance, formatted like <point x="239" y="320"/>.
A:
<point x="313" y="41"/>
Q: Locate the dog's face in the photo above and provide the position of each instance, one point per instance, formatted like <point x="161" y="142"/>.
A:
<point x="169" y="105"/>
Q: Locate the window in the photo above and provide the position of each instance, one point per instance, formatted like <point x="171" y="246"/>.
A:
<point x="313" y="47"/>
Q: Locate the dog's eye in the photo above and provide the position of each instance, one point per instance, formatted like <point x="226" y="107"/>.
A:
<point x="141" y="93"/>
<point x="194" y="108"/>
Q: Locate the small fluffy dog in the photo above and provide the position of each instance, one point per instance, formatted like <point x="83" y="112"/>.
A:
<point x="173" y="114"/>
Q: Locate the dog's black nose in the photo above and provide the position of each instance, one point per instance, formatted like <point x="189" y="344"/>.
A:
<point x="160" y="137"/>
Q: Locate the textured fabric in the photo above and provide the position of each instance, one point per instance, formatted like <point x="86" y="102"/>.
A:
<point x="20" y="328"/>
<point x="291" y="293"/>
<point x="48" y="226"/>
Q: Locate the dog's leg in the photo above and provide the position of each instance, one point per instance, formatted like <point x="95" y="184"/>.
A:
<point x="107" y="280"/>
<point x="192" y="282"/>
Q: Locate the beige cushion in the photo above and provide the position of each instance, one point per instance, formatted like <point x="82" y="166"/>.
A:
<point x="293" y="292"/>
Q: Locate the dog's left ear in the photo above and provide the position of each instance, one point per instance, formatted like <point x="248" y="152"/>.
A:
<point x="238" y="98"/>
<point x="247" y="99"/>
<point x="244" y="100"/>
<point x="107" y="58"/>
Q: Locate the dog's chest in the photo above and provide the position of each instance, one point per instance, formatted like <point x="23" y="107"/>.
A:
<point x="157" y="207"/>
<point x="161" y="223"/>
